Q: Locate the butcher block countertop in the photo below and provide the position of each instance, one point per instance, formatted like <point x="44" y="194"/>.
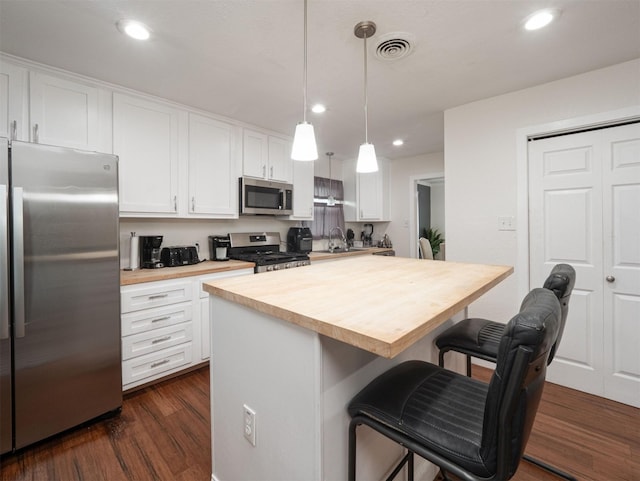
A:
<point x="382" y="304"/>
<point x="204" y="267"/>
<point x="321" y="256"/>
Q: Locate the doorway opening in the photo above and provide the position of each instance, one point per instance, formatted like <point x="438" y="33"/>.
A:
<point x="428" y="210"/>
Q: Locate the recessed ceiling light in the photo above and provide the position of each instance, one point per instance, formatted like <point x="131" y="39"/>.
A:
<point x="318" y="109"/>
<point x="398" y="142"/>
<point x="134" y="29"/>
<point x="540" y="19"/>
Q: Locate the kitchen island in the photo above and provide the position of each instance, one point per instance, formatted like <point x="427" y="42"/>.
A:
<point x="294" y="346"/>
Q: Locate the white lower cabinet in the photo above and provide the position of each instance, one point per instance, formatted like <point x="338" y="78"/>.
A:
<point x="203" y="307"/>
<point x="165" y="327"/>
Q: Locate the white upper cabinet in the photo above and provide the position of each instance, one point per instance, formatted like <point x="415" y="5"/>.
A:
<point x="280" y="160"/>
<point x="266" y="157"/>
<point x="145" y="137"/>
<point x="302" y="191"/>
<point x="366" y="195"/>
<point x="66" y="113"/>
<point x="213" y="168"/>
<point x="13" y="102"/>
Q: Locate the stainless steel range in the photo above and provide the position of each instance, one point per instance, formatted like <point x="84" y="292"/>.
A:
<point x="263" y="248"/>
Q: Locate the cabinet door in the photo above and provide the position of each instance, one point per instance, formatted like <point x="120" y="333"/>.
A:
<point x="145" y="137"/>
<point x="302" y="191"/>
<point x="63" y="113"/>
<point x="255" y="154"/>
<point x="279" y="160"/>
<point x="13" y="102"/>
<point x="213" y="182"/>
<point x="370" y="196"/>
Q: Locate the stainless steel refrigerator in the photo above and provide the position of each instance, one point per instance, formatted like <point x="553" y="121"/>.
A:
<point x="59" y="290"/>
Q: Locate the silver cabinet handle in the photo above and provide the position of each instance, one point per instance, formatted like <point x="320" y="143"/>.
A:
<point x="4" y="268"/>
<point x="36" y="134"/>
<point x="175" y="203"/>
<point x="160" y="363"/>
<point x="14" y="130"/>
<point x="160" y="339"/>
<point x="271" y="171"/>
<point x="18" y="261"/>
<point x="158" y="296"/>
<point x="193" y="204"/>
<point x="165" y="318"/>
<point x="264" y="171"/>
<point x="610" y="279"/>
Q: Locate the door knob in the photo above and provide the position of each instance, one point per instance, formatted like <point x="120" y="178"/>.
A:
<point x="610" y="278"/>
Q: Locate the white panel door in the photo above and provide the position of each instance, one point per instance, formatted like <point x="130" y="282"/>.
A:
<point x="13" y="102"/>
<point x="584" y="203"/>
<point x="621" y="208"/>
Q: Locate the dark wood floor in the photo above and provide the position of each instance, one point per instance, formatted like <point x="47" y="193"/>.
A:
<point x="163" y="434"/>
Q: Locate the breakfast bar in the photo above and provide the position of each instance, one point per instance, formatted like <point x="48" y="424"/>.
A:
<point x="294" y="346"/>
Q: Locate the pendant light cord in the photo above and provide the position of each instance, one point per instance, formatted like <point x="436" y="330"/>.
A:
<point x="304" y="68"/>
<point x="366" y="111"/>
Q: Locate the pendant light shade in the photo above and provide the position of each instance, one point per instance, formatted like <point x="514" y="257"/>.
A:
<point x="304" y="140"/>
<point x="304" y="143"/>
<point x="367" y="161"/>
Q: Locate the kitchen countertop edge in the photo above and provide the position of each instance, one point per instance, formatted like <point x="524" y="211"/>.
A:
<point x="140" y="276"/>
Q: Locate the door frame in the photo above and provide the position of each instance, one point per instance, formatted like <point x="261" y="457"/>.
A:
<point x="413" y="211"/>
<point x="522" y="167"/>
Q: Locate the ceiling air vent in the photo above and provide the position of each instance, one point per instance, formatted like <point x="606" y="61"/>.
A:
<point x="394" y="46"/>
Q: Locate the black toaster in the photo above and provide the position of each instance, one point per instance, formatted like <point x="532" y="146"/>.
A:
<point x="179" y="256"/>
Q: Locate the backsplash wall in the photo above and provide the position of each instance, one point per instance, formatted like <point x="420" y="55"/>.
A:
<point x="192" y="231"/>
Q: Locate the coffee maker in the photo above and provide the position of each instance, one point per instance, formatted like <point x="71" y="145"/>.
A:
<point x="219" y="247"/>
<point x="150" y="251"/>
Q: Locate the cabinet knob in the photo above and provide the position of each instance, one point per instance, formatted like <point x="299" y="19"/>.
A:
<point x="610" y="279"/>
<point x="193" y="204"/>
<point x="14" y="130"/>
<point x="175" y="203"/>
<point x="36" y="134"/>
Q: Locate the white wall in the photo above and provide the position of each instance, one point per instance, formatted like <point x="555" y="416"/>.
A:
<point x="401" y="208"/>
<point x="480" y="165"/>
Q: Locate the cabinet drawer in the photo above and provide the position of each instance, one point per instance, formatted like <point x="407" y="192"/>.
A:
<point x="149" y="319"/>
<point x="136" y="298"/>
<point x="156" y="340"/>
<point x="156" y="364"/>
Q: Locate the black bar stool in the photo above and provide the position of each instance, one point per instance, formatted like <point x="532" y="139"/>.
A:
<point x="480" y="337"/>
<point x="468" y="428"/>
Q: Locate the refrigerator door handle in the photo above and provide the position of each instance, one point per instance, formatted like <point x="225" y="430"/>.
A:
<point x="18" y="262"/>
<point x="4" y="267"/>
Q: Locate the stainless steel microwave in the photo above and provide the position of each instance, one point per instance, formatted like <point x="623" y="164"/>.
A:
<point x="265" y="197"/>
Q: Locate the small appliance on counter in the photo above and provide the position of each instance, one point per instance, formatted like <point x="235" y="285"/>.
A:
<point x="175" y="256"/>
<point x="367" y="235"/>
<point x="150" y="251"/>
<point x="299" y="239"/>
<point x="219" y="247"/>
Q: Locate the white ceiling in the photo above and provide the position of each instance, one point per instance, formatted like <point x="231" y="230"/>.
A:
<point x="243" y="58"/>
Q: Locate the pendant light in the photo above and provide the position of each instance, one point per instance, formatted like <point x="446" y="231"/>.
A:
<point x="367" y="161"/>
<point x="331" y="200"/>
<point x="304" y="140"/>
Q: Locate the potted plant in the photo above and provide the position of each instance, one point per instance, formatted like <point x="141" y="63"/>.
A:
<point x="435" y="239"/>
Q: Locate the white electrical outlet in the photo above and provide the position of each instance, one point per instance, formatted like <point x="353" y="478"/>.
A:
<point x="507" y="223"/>
<point x="249" y="416"/>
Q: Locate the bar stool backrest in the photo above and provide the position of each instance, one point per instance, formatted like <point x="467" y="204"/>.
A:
<point x="517" y="382"/>
<point x="561" y="281"/>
